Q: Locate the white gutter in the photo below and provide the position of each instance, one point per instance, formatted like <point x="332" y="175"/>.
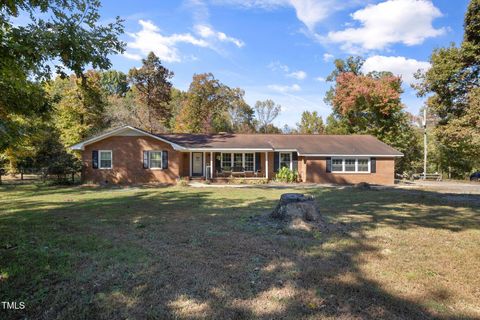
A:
<point x="349" y="155"/>
<point x="225" y="149"/>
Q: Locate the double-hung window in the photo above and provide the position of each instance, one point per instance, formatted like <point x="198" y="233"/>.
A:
<point x="337" y="165"/>
<point x="105" y="159"/>
<point x="227" y="161"/>
<point x="363" y="165"/>
<point x="249" y="161"/>
<point x="238" y="161"/>
<point x="351" y="165"/>
<point x="155" y="159"/>
<point x="285" y="160"/>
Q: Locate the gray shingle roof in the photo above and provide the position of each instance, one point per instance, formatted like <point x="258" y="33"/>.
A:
<point x="304" y="144"/>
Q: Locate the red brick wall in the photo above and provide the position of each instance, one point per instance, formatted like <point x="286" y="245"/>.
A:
<point x="316" y="172"/>
<point x="127" y="155"/>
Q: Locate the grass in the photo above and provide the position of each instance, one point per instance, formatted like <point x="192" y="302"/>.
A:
<point x="187" y="253"/>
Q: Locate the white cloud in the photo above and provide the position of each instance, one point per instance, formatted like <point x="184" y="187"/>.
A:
<point x="209" y="33"/>
<point x="309" y="12"/>
<point x="320" y="79"/>
<point x="397" y="65"/>
<point x="284" y="89"/>
<point x="150" y="38"/>
<point x="393" y="21"/>
<point x="299" y="75"/>
<point x="276" y="65"/>
<point x="328" y="57"/>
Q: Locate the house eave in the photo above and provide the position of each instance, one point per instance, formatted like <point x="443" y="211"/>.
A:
<point x="81" y="145"/>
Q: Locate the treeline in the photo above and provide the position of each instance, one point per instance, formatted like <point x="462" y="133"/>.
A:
<point x="40" y="116"/>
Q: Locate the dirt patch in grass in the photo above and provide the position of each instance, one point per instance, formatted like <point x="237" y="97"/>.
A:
<point x="187" y="253"/>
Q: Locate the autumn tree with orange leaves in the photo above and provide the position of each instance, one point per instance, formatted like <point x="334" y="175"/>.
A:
<point x="371" y="104"/>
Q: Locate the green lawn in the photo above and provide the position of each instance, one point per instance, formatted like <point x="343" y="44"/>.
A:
<point x="187" y="253"/>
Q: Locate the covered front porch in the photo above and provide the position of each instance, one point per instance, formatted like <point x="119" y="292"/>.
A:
<point x="229" y="164"/>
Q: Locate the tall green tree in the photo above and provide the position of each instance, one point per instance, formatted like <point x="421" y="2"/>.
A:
<point x="69" y="38"/>
<point x="336" y="126"/>
<point x="114" y="83"/>
<point x="267" y="111"/>
<point x="311" y="123"/>
<point x="207" y="106"/>
<point x="79" y="107"/>
<point x="241" y="115"/>
<point x="452" y="83"/>
<point x="152" y="81"/>
<point x="370" y="104"/>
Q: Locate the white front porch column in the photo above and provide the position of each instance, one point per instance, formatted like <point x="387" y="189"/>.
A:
<point x="204" y="160"/>
<point x="191" y="163"/>
<point x="266" y="164"/>
<point x="211" y="165"/>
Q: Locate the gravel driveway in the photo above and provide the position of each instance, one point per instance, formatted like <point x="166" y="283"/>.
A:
<point x="464" y="187"/>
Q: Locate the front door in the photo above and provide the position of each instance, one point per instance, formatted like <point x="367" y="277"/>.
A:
<point x="197" y="164"/>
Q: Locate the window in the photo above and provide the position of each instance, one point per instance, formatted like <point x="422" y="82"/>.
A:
<point x="249" y="161"/>
<point x="155" y="159"/>
<point x="337" y="165"/>
<point x="105" y="159"/>
<point x="226" y="161"/>
<point x="350" y="165"/>
<point x="363" y="165"/>
<point x="238" y="161"/>
<point x="285" y="160"/>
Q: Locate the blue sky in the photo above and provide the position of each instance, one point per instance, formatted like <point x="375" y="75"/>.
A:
<point x="283" y="49"/>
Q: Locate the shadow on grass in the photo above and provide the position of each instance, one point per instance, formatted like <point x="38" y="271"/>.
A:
<point x="183" y="253"/>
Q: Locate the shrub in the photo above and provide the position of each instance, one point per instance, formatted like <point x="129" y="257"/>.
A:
<point x="183" y="182"/>
<point x="286" y="175"/>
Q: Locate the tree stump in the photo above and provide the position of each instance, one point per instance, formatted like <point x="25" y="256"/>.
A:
<point x="296" y="206"/>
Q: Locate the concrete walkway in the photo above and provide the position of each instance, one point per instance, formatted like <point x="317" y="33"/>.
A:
<point x="271" y="185"/>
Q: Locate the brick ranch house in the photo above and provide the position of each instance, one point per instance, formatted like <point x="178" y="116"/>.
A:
<point x="130" y="155"/>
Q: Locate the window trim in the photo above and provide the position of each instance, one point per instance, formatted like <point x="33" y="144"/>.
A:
<point x="232" y="161"/>
<point x="356" y="165"/>
<point x="150" y="160"/>
<point x="280" y="159"/>
<point x="100" y="159"/>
